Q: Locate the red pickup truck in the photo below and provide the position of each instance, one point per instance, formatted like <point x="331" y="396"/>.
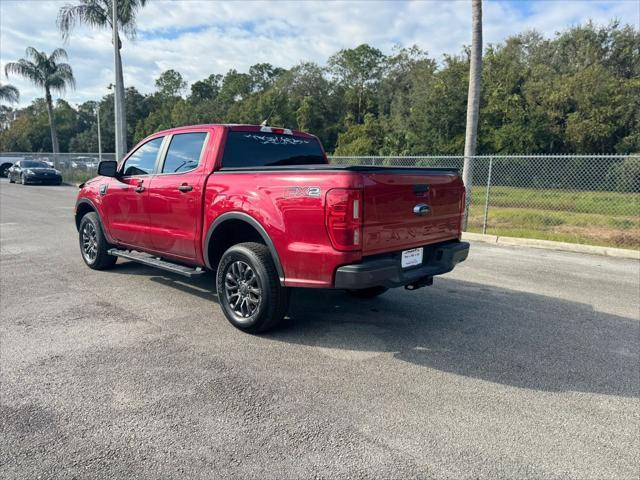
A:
<point x="262" y="208"/>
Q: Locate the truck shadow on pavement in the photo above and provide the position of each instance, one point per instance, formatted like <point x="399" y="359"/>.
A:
<point x="509" y="337"/>
<point x="503" y="336"/>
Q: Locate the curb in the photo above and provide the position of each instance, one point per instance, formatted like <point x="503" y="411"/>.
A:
<point x="551" y="245"/>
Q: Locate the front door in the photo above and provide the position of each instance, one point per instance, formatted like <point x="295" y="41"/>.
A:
<point x="125" y="199"/>
<point x="175" y="196"/>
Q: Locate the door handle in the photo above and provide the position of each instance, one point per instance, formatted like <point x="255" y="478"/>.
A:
<point x="185" y="188"/>
<point x="139" y="189"/>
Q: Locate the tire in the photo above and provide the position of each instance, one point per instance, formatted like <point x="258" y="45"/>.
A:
<point x="23" y="180"/>
<point x="11" y="180"/>
<point x="249" y="289"/>
<point x="370" y="292"/>
<point x="93" y="243"/>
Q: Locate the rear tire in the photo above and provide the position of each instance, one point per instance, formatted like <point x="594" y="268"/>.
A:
<point x="249" y="289"/>
<point x="370" y="292"/>
<point x="93" y="243"/>
<point x="11" y="180"/>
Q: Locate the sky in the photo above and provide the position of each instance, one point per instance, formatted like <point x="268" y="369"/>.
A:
<point x="201" y="37"/>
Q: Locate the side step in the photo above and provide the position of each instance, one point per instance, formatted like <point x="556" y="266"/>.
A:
<point x="156" y="262"/>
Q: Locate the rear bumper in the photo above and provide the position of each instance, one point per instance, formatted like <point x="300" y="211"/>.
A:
<point x="385" y="270"/>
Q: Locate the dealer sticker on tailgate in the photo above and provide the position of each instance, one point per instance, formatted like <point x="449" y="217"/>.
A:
<point x="411" y="258"/>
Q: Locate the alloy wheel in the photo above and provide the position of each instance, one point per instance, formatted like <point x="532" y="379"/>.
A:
<point x="242" y="289"/>
<point x="89" y="242"/>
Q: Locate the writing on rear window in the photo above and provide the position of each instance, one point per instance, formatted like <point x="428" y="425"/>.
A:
<point x="262" y="149"/>
<point x="276" y="139"/>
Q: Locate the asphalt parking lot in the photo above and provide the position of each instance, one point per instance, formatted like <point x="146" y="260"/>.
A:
<point x="522" y="363"/>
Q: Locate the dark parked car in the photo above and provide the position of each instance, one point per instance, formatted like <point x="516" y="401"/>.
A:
<point x="33" y="171"/>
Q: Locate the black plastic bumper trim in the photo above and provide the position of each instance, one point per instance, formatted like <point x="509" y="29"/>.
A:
<point x="386" y="270"/>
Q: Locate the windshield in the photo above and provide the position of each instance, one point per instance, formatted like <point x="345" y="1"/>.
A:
<point x="262" y="149"/>
<point x="33" y="164"/>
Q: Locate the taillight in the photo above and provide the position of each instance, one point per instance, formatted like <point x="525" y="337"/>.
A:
<point x="343" y="218"/>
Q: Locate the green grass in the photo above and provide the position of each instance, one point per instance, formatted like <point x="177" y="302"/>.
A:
<point x="594" y="218"/>
<point x="609" y="203"/>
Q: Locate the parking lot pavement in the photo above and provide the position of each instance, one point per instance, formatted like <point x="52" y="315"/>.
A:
<point x="522" y="363"/>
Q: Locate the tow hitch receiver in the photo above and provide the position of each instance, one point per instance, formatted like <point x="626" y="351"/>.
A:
<point x="423" y="282"/>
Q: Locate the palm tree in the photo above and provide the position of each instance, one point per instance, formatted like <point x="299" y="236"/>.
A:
<point x="473" y="100"/>
<point x="46" y="72"/>
<point x="99" y="13"/>
<point x="9" y="93"/>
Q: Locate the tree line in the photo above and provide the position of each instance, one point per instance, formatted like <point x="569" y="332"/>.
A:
<point x="578" y="92"/>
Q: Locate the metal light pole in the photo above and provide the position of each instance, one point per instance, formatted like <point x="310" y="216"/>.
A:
<point x="99" y="136"/>
<point x="118" y="98"/>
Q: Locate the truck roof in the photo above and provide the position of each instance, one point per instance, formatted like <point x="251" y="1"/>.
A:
<point x="240" y="127"/>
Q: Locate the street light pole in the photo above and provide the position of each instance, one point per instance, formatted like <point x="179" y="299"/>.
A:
<point x="99" y="136"/>
<point x="118" y="98"/>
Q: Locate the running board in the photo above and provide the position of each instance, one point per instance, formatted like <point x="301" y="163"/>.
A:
<point x="156" y="262"/>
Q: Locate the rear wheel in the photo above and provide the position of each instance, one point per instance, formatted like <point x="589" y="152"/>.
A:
<point x="93" y="244"/>
<point x="368" y="292"/>
<point x="249" y="289"/>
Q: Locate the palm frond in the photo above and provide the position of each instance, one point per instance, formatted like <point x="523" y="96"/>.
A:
<point x="62" y="78"/>
<point x="9" y="93"/>
<point x="90" y="12"/>
<point x="58" y="54"/>
<point x="25" y="68"/>
<point x="98" y="13"/>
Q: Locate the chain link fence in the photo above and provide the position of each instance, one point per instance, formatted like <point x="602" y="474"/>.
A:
<point x="590" y="199"/>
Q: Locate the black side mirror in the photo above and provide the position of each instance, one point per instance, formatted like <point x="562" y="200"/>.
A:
<point x="108" y="168"/>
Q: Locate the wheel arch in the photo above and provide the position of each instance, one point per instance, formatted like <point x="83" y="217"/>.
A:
<point x="83" y="207"/>
<point x="244" y="228"/>
<point x="4" y="167"/>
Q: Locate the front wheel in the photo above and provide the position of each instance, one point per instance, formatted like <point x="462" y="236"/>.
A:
<point x="249" y="289"/>
<point x="93" y="244"/>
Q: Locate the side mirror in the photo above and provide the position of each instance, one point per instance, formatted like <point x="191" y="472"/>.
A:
<point x="108" y="168"/>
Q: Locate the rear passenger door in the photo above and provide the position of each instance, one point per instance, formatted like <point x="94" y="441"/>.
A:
<point x="175" y="196"/>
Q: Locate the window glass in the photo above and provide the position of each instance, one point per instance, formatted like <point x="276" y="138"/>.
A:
<point x="257" y="149"/>
<point x="143" y="160"/>
<point x="184" y="152"/>
<point x="33" y="164"/>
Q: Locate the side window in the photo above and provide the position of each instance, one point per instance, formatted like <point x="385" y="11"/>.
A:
<point x="184" y="152"/>
<point x="143" y="160"/>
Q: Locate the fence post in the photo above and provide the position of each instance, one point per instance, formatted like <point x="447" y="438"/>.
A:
<point x="486" y="199"/>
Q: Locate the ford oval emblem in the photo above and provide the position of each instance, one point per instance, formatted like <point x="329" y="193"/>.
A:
<point x="421" y="209"/>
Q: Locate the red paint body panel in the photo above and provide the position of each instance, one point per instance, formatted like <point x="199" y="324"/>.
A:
<point x="167" y="222"/>
<point x="390" y="223"/>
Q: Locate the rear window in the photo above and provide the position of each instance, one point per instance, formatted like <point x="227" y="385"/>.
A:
<point x="262" y="149"/>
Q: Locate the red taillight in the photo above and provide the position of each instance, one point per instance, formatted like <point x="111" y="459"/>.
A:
<point x="343" y="217"/>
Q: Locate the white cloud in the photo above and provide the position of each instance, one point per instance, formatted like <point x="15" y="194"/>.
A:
<point x="198" y="38"/>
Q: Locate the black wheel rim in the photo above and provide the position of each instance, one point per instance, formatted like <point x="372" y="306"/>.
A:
<point x="242" y="289"/>
<point x="89" y="242"/>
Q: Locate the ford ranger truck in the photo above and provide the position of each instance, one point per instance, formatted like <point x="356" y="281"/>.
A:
<point x="263" y="209"/>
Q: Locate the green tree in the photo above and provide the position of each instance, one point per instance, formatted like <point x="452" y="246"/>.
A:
<point x="357" y="70"/>
<point x="47" y="72"/>
<point x="170" y="83"/>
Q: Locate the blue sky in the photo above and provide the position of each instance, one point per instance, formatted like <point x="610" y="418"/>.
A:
<point x="200" y="37"/>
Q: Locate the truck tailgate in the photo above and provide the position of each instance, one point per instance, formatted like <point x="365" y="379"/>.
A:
<point x="390" y="197"/>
